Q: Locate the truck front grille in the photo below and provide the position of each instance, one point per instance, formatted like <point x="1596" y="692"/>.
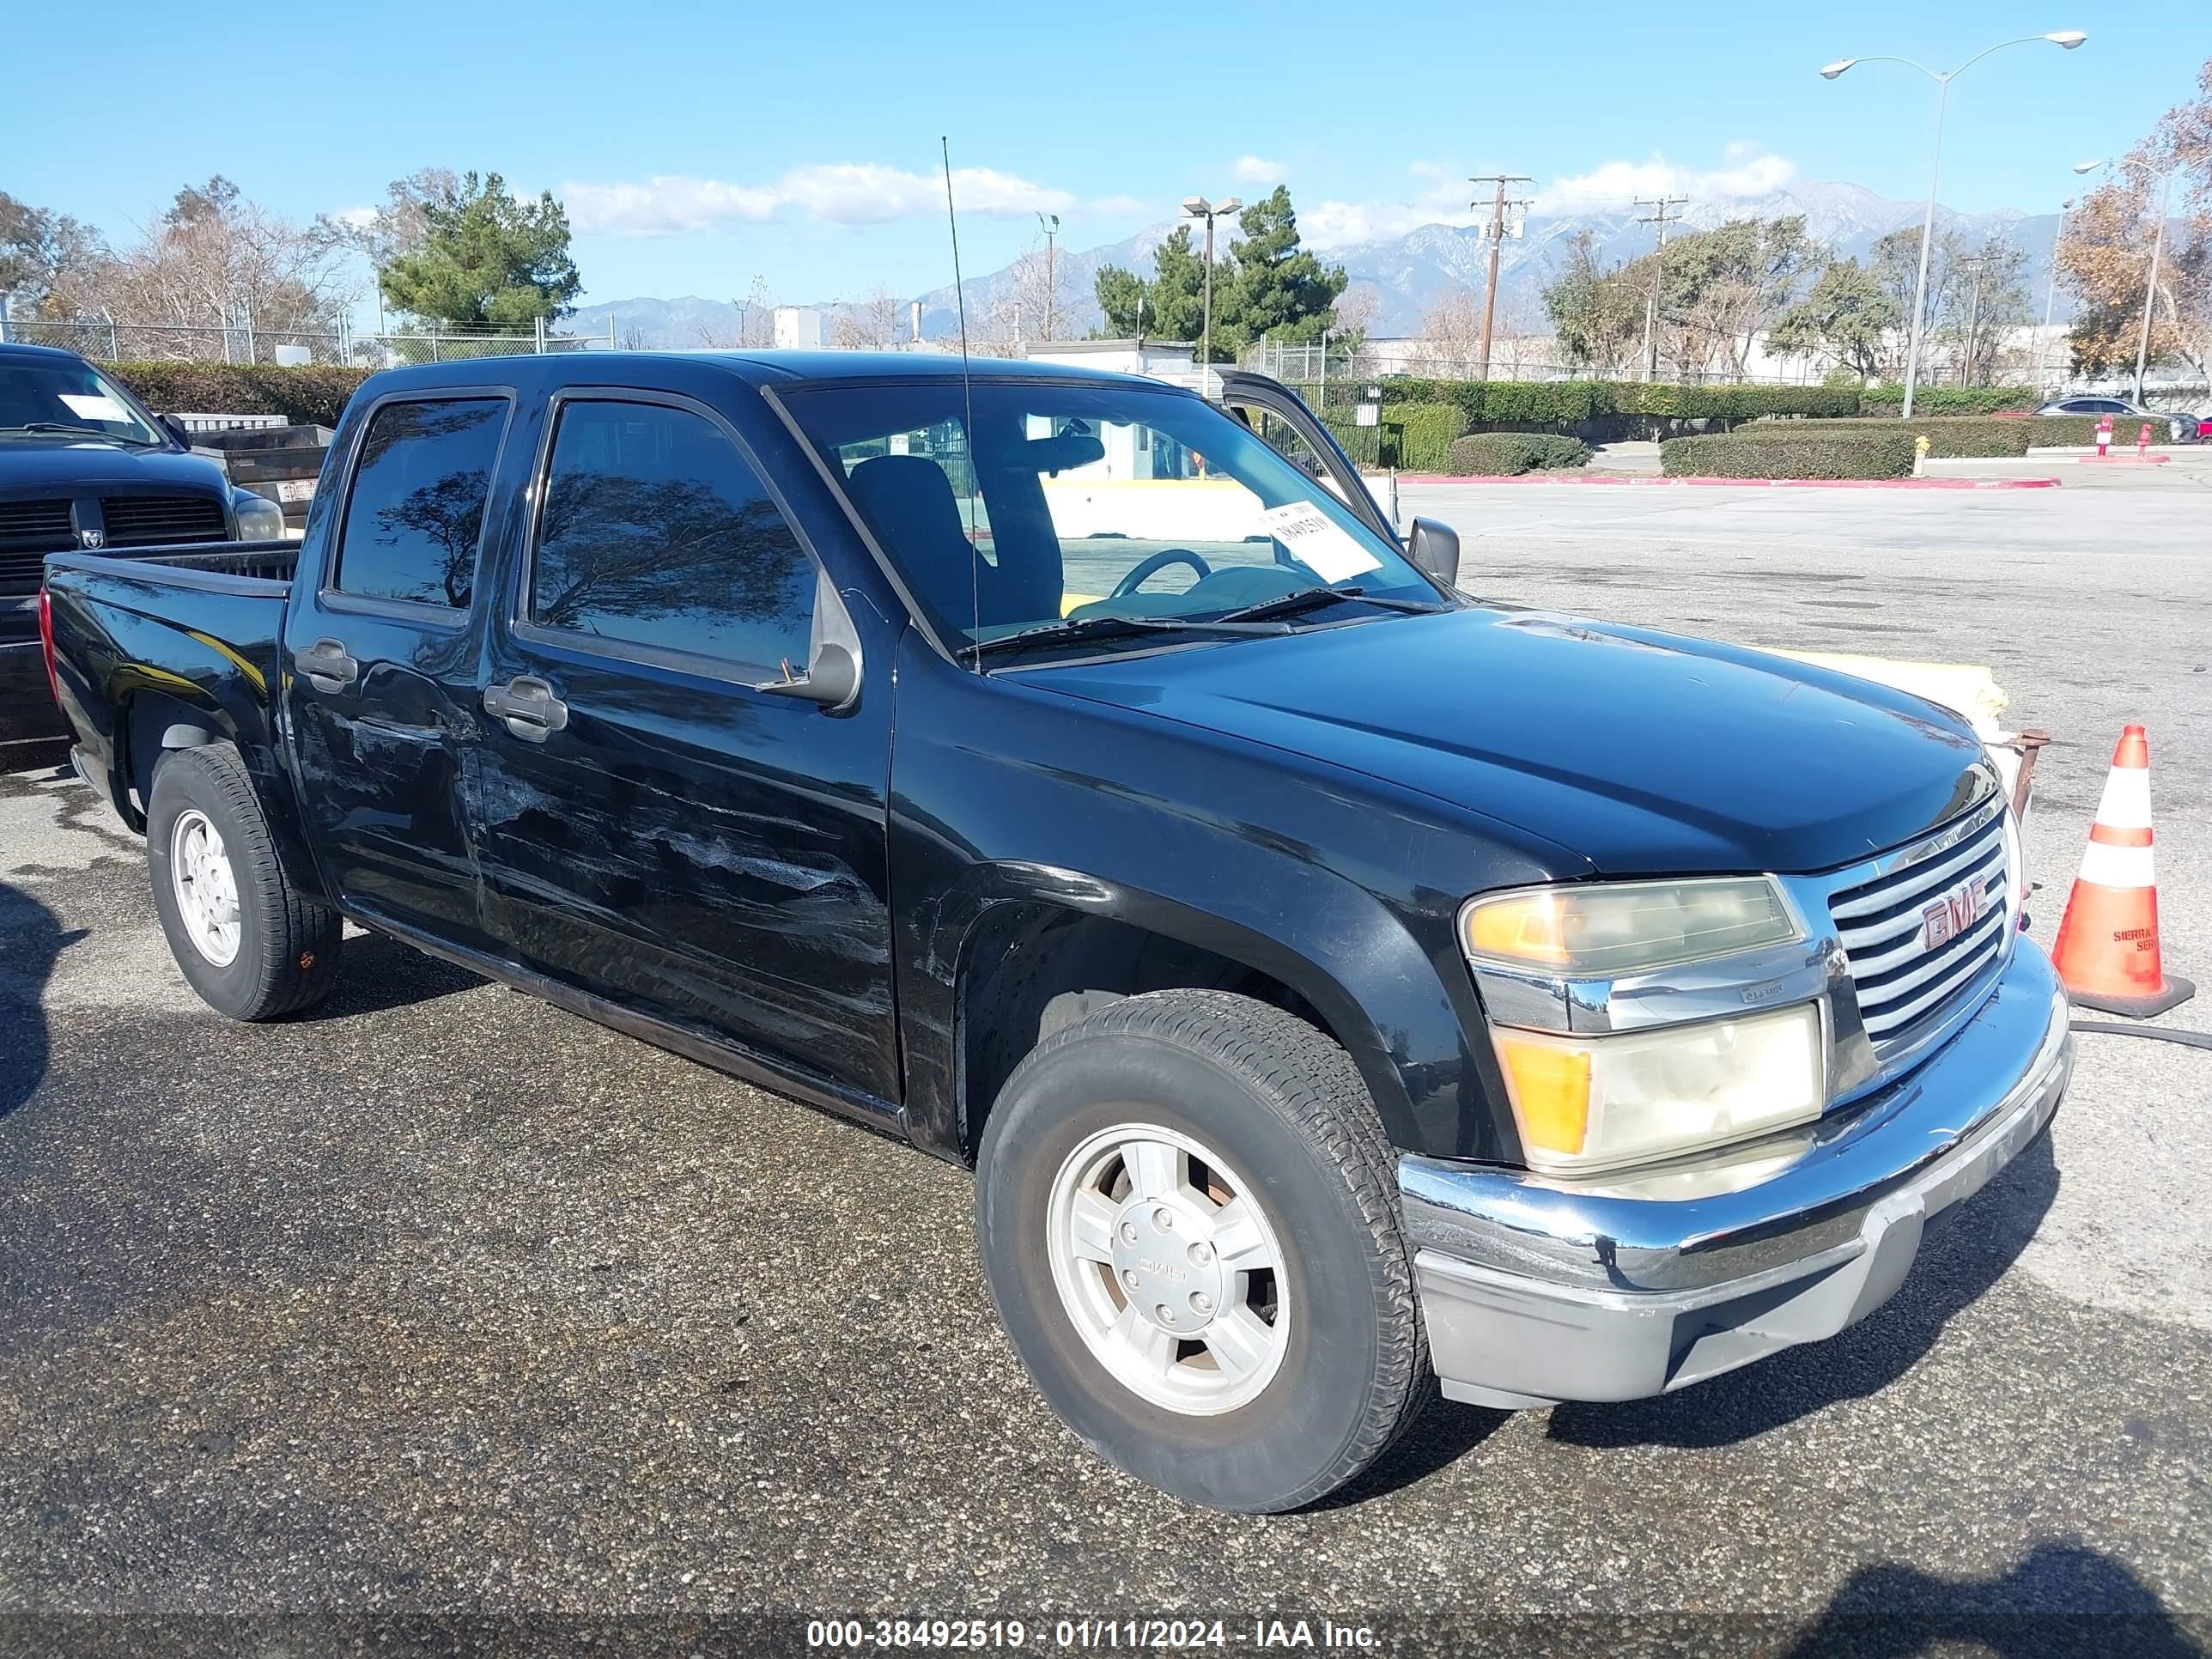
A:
<point x="39" y="527"/>
<point x="1887" y="925"/>
<point x="148" y="520"/>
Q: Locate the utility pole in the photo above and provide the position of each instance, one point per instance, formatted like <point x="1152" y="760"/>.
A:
<point x="1497" y="234"/>
<point x="1662" y="210"/>
<point x="1051" y="223"/>
<point x="1973" y="263"/>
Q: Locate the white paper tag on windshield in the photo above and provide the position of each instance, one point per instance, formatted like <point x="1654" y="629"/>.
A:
<point x="97" y="407"/>
<point x="1318" y="542"/>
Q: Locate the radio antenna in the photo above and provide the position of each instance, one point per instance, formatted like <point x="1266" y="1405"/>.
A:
<point x="968" y="401"/>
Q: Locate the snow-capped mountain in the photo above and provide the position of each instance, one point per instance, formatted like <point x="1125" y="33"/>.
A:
<point x="1409" y="274"/>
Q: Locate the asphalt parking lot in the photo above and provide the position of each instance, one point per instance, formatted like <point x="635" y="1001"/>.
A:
<point x="439" y="1300"/>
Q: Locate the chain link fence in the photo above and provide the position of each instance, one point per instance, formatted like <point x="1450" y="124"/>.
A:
<point x="116" y="340"/>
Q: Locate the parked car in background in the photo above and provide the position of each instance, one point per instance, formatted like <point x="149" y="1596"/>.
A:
<point x="2177" y="426"/>
<point x="1336" y="984"/>
<point x="85" y="465"/>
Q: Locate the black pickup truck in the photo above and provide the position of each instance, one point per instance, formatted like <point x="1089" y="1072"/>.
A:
<point x="1335" y="983"/>
<point x="84" y="463"/>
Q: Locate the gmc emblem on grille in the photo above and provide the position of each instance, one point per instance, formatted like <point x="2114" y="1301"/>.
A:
<point x="1952" y="914"/>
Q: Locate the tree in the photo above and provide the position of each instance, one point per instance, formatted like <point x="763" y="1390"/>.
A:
<point x="217" y="260"/>
<point x="1451" y="335"/>
<point x="1984" y="295"/>
<point x="1847" y="315"/>
<point x="1719" y="289"/>
<point x="1278" y="290"/>
<point x="1597" y="312"/>
<point x="402" y="225"/>
<point x="2105" y="256"/>
<point x="44" y="255"/>
<point x="485" y="259"/>
<point x="871" y="325"/>
<point x="1172" y="303"/>
<point x="1267" y="286"/>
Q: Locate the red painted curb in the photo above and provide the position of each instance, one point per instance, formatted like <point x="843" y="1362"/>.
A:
<point x="1729" y="484"/>
<point x="2121" y="460"/>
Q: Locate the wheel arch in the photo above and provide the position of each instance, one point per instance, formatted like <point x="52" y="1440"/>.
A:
<point x="1032" y="962"/>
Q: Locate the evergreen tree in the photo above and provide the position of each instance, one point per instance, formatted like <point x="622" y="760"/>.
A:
<point x="486" y="258"/>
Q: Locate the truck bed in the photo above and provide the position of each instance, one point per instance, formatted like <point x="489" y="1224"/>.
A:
<point x="270" y="562"/>
<point x="191" y="634"/>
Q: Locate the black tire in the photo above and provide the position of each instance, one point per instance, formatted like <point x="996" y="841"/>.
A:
<point x="1284" y="1106"/>
<point x="287" y="949"/>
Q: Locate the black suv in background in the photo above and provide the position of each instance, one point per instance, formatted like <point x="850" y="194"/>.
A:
<point x="85" y="465"/>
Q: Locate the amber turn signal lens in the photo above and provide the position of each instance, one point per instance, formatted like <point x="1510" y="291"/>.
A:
<point x="1551" y="1092"/>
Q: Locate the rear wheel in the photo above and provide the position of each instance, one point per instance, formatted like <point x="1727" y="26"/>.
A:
<point x="1188" y="1214"/>
<point x="250" y="944"/>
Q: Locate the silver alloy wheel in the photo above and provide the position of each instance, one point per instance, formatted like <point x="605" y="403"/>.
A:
<point x="205" y="887"/>
<point x="1169" y="1269"/>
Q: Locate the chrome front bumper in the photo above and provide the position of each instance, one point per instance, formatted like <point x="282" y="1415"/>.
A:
<point x="1537" y="1289"/>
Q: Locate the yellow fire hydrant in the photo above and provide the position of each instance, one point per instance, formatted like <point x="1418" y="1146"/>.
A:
<point x="1920" y="456"/>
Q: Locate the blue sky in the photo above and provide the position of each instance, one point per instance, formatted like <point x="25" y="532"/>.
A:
<point x="699" y="146"/>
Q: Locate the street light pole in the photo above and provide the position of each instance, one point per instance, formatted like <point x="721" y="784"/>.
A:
<point x="2151" y="288"/>
<point x="2066" y="40"/>
<point x="2051" y="292"/>
<point x="1051" y="223"/>
<point x="1199" y="207"/>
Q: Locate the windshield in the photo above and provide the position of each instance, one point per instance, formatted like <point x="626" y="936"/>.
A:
<point x="58" y="397"/>
<point x="1087" y="503"/>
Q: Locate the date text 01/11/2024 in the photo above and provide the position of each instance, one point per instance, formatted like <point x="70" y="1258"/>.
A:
<point x="1084" y="1633"/>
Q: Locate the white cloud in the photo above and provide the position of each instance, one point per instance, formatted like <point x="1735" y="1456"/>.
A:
<point x="1258" y="170"/>
<point x="842" y="193"/>
<point x="1745" y="173"/>
<point x="1444" y="195"/>
<point x="1441" y="200"/>
<point x="360" y="218"/>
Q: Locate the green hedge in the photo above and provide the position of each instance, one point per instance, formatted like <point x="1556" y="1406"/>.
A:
<point x="1562" y="403"/>
<point x="313" y="396"/>
<point x="1950" y="399"/>
<point x="1812" y="453"/>
<point x="1949" y="436"/>
<point x="1503" y="454"/>
<point x="1423" y="436"/>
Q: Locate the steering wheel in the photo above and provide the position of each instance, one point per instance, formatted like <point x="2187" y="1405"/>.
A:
<point x="1159" y="562"/>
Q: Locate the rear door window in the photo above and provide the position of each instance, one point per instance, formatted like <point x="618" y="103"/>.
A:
<point x="414" y="517"/>
<point x="659" y="538"/>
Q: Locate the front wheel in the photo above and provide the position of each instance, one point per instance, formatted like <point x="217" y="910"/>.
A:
<point x="1188" y="1216"/>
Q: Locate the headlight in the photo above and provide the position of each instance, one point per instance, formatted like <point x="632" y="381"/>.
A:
<point x="1627" y="926"/>
<point x="1591" y="1102"/>
<point x="259" y="519"/>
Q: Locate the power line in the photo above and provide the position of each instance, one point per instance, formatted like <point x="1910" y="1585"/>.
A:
<point x="1497" y="234"/>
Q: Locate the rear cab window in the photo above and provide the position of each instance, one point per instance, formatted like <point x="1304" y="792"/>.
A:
<point x="414" y="515"/>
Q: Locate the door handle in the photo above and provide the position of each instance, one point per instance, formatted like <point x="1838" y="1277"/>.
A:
<point x="326" y="665"/>
<point x="528" y="706"/>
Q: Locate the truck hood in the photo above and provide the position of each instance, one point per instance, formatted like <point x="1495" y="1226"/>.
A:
<point x="1647" y="753"/>
<point x="41" y="465"/>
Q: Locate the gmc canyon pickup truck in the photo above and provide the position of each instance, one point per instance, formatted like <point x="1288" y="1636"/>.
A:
<point x="84" y="463"/>
<point x="1335" y="983"/>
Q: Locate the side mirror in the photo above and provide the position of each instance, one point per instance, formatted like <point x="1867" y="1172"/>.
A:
<point x="1434" y="550"/>
<point x="175" y="428"/>
<point x="832" y="679"/>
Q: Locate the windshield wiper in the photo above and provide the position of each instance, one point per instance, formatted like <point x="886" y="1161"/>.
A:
<point x="1312" y="598"/>
<point x="1084" y="627"/>
<point x="79" y="432"/>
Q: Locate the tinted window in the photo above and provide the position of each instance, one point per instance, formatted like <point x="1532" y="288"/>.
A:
<point x="416" y="511"/>
<point x="656" y="532"/>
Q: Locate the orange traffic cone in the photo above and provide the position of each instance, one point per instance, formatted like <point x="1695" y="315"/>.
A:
<point x="2108" y="949"/>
